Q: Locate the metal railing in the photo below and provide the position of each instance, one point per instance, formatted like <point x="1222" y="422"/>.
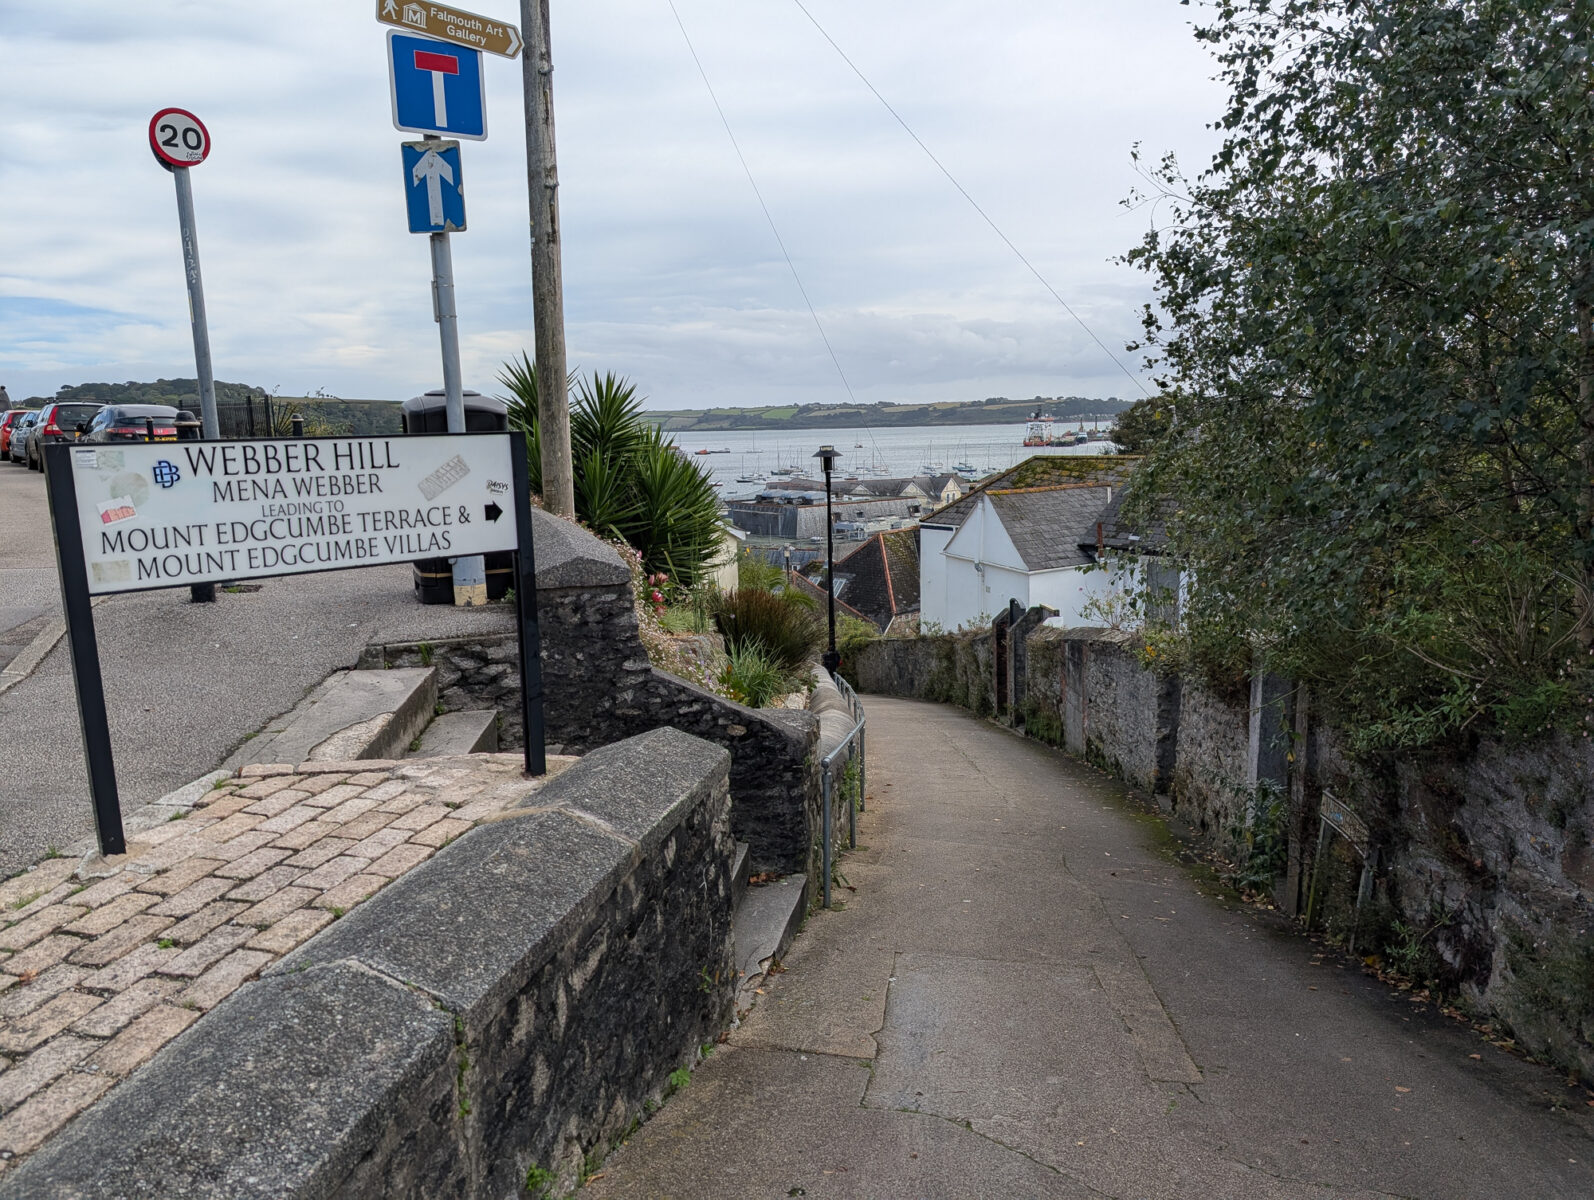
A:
<point x="851" y="747"/>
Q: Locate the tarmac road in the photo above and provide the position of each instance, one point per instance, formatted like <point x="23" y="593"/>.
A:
<point x="184" y="683"/>
<point x="1027" y="996"/>
<point x="28" y="588"/>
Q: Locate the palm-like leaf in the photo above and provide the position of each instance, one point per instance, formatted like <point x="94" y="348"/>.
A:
<point x="520" y="377"/>
<point x="603" y="496"/>
<point x="631" y="482"/>
<point x="606" y="418"/>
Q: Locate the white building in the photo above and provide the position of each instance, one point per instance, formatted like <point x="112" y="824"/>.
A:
<point x="1045" y="532"/>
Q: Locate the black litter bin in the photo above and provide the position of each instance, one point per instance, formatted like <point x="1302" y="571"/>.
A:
<point x="434" y="577"/>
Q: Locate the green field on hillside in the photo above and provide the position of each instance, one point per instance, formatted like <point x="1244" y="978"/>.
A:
<point x="998" y="410"/>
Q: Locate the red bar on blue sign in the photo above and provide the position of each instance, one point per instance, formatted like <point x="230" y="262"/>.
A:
<point x="447" y="64"/>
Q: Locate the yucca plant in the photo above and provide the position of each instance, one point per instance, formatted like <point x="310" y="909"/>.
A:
<point x="631" y="483"/>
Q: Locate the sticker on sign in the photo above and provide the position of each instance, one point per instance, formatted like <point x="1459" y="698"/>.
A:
<point x="155" y="516"/>
<point x="178" y="138"/>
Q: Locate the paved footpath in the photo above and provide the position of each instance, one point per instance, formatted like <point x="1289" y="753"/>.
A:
<point x="1026" y="997"/>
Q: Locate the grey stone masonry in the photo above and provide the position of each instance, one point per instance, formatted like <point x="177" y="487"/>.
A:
<point x="511" y="1003"/>
<point x="599" y="686"/>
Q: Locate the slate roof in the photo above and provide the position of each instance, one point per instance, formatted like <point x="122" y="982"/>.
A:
<point x="1119" y="534"/>
<point x="882" y="576"/>
<point x="1041" y="473"/>
<point x="1052" y="528"/>
<point x="801" y="583"/>
<point x="877" y="488"/>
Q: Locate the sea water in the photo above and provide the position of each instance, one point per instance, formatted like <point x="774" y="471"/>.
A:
<point x="866" y="453"/>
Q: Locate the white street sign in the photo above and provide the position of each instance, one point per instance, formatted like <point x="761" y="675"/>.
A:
<point x="178" y="138"/>
<point x="169" y="514"/>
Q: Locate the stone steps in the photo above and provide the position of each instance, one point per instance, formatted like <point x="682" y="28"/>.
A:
<point x="351" y="715"/>
<point x="739" y="873"/>
<point x="453" y="733"/>
<point x="764" y="925"/>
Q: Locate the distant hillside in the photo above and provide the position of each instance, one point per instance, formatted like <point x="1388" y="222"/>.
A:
<point x="323" y="414"/>
<point x="998" y="410"/>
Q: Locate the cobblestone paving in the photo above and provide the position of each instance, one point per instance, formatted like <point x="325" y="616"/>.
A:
<point x="103" y="962"/>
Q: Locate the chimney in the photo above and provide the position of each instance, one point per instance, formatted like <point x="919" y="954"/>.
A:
<point x="1101" y="538"/>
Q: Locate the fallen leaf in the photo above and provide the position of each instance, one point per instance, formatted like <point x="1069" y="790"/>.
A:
<point x="1479" y="1057"/>
<point x="1398" y="1088"/>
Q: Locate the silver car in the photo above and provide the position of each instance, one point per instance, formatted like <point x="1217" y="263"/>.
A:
<point x="17" y="450"/>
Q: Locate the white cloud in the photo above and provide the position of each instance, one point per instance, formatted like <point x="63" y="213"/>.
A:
<point x="671" y="273"/>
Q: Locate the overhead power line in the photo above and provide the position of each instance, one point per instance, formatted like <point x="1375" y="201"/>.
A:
<point x="964" y="192"/>
<point x="779" y="241"/>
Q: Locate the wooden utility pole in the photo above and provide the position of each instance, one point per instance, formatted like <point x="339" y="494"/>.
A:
<point x="547" y="286"/>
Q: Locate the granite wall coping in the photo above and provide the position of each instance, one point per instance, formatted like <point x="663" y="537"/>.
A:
<point x="346" y="1070"/>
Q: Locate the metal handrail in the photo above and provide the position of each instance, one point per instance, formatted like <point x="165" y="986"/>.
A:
<point x="827" y="764"/>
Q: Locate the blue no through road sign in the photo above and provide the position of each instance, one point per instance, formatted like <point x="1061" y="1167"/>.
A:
<point x="437" y="87"/>
<point x="434" y="188"/>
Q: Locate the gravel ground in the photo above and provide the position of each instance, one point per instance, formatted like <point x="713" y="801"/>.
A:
<point x="184" y="682"/>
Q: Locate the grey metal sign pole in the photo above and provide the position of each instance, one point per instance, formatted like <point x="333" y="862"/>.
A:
<point x="470" y="573"/>
<point x="196" y="305"/>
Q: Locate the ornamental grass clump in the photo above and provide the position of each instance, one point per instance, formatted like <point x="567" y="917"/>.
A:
<point x="788" y="631"/>
<point x="753" y="676"/>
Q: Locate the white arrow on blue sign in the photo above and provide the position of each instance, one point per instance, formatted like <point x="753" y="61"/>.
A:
<point x="434" y="188"/>
<point x="437" y="87"/>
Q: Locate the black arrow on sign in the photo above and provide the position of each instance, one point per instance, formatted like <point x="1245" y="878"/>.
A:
<point x="493" y="512"/>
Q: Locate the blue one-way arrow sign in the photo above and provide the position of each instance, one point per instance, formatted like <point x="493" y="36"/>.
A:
<point x="437" y="87"/>
<point x="434" y="187"/>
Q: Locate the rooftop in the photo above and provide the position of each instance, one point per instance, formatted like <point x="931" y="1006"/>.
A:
<point x="1042" y="473"/>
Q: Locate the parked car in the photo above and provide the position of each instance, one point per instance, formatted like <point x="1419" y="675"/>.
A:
<point x="58" y="422"/>
<point x="131" y="423"/>
<point x="9" y="420"/>
<point x="19" y="436"/>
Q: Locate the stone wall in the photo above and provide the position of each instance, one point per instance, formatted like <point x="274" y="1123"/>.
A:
<point x="506" y="1008"/>
<point x="1483" y="855"/>
<point x="599" y="687"/>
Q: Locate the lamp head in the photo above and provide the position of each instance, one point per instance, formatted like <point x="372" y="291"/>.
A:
<point x="828" y="456"/>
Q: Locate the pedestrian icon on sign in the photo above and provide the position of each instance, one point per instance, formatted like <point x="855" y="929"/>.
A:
<point x="437" y="87"/>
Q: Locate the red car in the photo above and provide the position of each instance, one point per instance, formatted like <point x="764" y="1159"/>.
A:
<point x="8" y="420"/>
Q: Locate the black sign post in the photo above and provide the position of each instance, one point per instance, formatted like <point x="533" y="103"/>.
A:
<point x="84" y="646"/>
<point x="526" y="614"/>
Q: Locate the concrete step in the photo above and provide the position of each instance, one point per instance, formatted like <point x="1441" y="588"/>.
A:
<point x="472" y="732"/>
<point x="351" y="715"/>
<point x="739" y="872"/>
<point x="766" y="923"/>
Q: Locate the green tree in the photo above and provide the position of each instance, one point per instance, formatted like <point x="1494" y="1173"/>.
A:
<point x="1374" y="327"/>
<point x="632" y="483"/>
<point x="1141" y="424"/>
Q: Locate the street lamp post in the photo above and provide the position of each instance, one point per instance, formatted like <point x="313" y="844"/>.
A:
<point x="831" y="660"/>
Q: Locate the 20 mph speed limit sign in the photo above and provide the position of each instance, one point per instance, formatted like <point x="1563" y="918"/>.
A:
<point x="178" y="138"/>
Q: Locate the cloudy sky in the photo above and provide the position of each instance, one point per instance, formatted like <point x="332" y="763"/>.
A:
<point x="671" y="273"/>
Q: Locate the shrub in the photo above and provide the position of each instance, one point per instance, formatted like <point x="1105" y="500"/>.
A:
<point x="756" y="571"/>
<point x="753" y="676"/>
<point x="631" y="483"/>
<point x="790" y="633"/>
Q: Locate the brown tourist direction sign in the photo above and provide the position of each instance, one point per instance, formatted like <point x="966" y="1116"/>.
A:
<point x="446" y="24"/>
